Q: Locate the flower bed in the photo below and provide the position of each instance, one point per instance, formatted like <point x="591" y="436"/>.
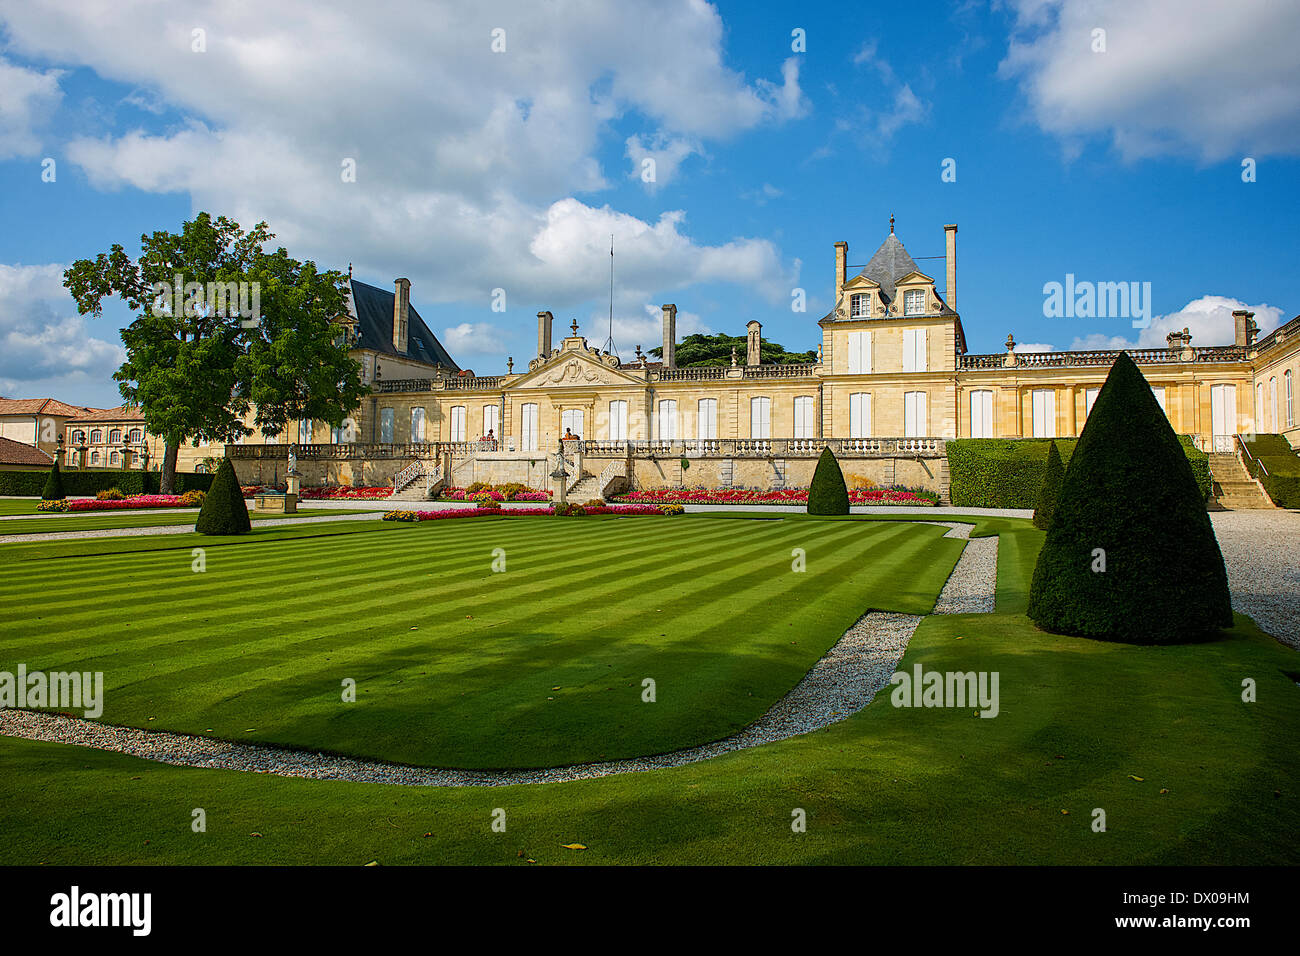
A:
<point x="493" y="492"/>
<point x="789" y="496"/>
<point x="119" y="504"/>
<point x="572" y="511"/>
<point x="343" y="494"/>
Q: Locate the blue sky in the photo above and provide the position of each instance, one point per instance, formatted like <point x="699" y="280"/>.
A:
<point x="480" y="170"/>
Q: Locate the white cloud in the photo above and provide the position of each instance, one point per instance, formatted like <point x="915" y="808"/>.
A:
<point x="460" y="152"/>
<point x="1209" y="319"/>
<point x="27" y="97"/>
<point x="1177" y="76"/>
<point x="665" y="154"/>
<point x="473" y="338"/>
<point x="46" y="348"/>
<point x="1033" y="347"/>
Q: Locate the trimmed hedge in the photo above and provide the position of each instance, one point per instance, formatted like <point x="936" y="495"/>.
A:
<point x="53" y="485"/>
<point x="1131" y="555"/>
<point x="224" y="511"/>
<point x="1050" y="492"/>
<point x="828" y="495"/>
<point x="1282" y="482"/>
<point x="77" y="483"/>
<point x="1008" y="472"/>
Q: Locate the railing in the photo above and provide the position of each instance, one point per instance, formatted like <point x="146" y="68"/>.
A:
<point x="1103" y="357"/>
<point x="454" y="383"/>
<point x="611" y="473"/>
<point x="1241" y="443"/>
<point x="407" y="475"/>
<point x="778" y="371"/>
<point x="705" y="373"/>
<point x="404" y="385"/>
<point x="473" y="383"/>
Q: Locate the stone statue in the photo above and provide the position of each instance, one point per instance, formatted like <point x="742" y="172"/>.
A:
<point x="293" y="460"/>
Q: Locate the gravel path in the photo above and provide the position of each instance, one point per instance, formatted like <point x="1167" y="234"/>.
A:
<point x="840" y="684"/>
<point x="1262" y="552"/>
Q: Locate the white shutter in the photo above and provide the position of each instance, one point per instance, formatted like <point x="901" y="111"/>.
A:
<point x="668" y="420"/>
<point x="1044" y="404"/>
<point x="860" y="415"/>
<point x="528" y="429"/>
<point x="617" y="430"/>
<point x="492" y="420"/>
<point x="760" y="418"/>
<point x="803" y="416"/>
<point x="1159" y="392"/>
<point x="859" y="352"/>
<point x="914" y="355"/>
<point x="915" y="422"/>
<point x="981" y="414"/>
<point x="706" y="424"/>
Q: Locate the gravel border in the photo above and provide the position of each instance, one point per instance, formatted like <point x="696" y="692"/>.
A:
<point x="150" y="531"/>
<point x="840" y="684"/>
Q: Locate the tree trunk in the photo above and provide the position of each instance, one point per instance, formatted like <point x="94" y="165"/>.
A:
<point x="167" y="480"/>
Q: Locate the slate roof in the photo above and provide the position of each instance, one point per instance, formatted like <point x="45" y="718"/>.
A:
<point x="890" y="263"/>
<point x="16" y="453"/>
<point x="373" y="308"/>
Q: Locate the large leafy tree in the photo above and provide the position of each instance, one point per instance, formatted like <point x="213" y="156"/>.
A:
<point x="699" y="350"/>
<point x="197" y="370"/>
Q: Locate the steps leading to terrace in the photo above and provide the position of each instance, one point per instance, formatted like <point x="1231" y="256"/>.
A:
<point x="1234" y="489"/>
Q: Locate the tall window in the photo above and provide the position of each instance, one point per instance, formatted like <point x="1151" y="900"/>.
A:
<point x="618" y="420"/>
<point x="94" y="458"/>
<point x="667" y="420"/>
<point x="338" y="433"/>
<point x="803" y="417"/>
<point x="859" y="352"/>
<point x="914" y="350"/>
<point x="1272" y="401"/>
<point x="97" y="437"/>
<point x="760" y="417"/>
<point x="981" y="413"/>
<point x="115" y="459"/>
<point x="72" y="459"/>
<point x="1159" y="392"/>
<point x="1259" y="406"/>
<point x="706" y="419"/>
<point x="386" y="418"/>
<point x="417" y="424"/>
<point x="79" y="437"/>
<point x="115" y="436"/>
<point x="1089" y="399"/>
<point x="457" y="423"/>
<point x="860" y="415"/>
<point x="492" y="420"/>
<point x="528" y="426"/>
<point x="1044" y="404"/>
<point x="305" y="431"/>
<point x="860" y="306"/>
<point x="913" y="302"/>
<point x="572" y="421"/>
<point x="136" y="436"/>
<point x="916" y="420"/>
<point x="1290" y="404"/>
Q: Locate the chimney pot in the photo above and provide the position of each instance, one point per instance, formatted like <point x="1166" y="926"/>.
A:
<point x="544" y="320"/>
<point x="401" y="313"/>
<point x="950" y="255"/>
<point x="753" y="355"/>
<point x="841" y="267"/>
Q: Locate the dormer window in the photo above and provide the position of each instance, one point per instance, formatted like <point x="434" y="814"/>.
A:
<point x="860" y="306"/>
<point x="913" y="302"/>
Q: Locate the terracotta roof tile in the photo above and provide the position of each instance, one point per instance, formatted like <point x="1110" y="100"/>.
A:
<point x="16" y="453"/>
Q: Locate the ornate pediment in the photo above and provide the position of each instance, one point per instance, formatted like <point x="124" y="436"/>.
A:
<point x="574" y="366"/>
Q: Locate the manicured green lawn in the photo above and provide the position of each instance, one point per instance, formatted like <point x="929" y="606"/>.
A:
<point x="1079" y="720"/>
<point x="456" y="665"/>
<point x="144" y="518"/>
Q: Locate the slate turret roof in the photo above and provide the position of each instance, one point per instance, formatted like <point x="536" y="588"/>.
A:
<point x="890" y="263"/>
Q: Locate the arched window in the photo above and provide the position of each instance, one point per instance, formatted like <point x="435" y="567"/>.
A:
<point x="1290" y="405"/>
<point x="72" y="459"/>
<point x="94" y="458"/>
<point x="97" y="437"/>
<point x="200" y="469"/>
<point x="136" y="436"/>
<point x="115" y="459"/>
<point x="115" y="436"/>
<point x="79" y="437"/>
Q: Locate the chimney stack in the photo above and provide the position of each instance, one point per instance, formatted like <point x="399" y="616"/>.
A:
<point x="1244" y="325"/>
<point x="401" y="313"/>
<point x="670" y="336"/>
<point x="752" y="353"/>
<point x="841" y="267"/>
<point x="950" y="253"/>
<point x="544" y="334"/>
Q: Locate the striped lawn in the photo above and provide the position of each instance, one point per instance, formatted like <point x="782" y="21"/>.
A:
<point x="456" y="665"/>
<point x="144" y="518"/>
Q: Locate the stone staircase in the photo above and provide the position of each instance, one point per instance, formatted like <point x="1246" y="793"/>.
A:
<point x="1234" y="489"/>
<point x="585" y="489"/>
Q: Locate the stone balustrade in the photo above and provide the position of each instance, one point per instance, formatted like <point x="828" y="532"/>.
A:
<point x="1102" y="358"/>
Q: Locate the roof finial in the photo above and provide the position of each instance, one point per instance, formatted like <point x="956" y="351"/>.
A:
<point x="574" y="326"/>
<point x="349" y="270"/>
<point x="891" y="223"/>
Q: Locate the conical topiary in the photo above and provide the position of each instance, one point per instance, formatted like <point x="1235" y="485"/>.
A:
<point x="1049" y="490"/>
<point x="828" y="495"/>
<point x="1131" y="555"/>
<point x="224" y="511"/>
<point x="54" y="485"/>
